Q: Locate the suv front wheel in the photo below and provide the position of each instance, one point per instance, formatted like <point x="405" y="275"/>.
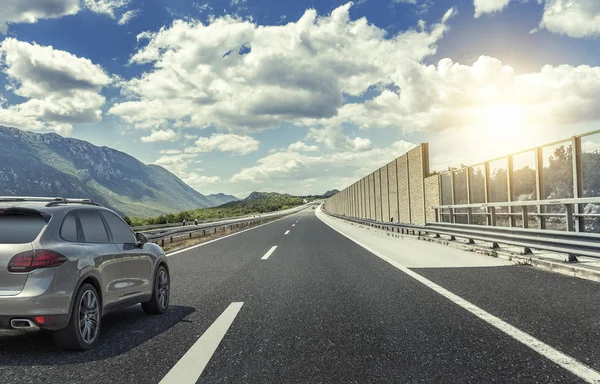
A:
<point x="84" y="326"/>
<point x="159" y="302"/>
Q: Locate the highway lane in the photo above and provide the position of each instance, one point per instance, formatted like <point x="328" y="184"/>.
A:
<point x="322" y="309"/>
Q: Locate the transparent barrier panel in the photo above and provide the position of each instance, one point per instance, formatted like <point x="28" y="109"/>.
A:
<point x="477" y="175"/>
<point x="447" y="188"/>
<point x="498" y="182"/>
<point x="460" y="186"/>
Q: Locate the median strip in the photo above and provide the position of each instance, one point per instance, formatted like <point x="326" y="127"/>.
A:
<point x="189" y="368"/>
<point x="269" y="253"/>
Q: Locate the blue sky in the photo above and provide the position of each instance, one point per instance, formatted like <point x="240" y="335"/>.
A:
<point x="301" y="97"/>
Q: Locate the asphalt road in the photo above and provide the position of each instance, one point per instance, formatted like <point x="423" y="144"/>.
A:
<point x="321" y="309"/>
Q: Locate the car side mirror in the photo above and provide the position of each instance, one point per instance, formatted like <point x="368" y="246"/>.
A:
<point x="141" y="238"/>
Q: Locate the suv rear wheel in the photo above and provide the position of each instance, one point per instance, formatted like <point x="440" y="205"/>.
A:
<point x="84" y="326"/>
<point x="159" y="302"/>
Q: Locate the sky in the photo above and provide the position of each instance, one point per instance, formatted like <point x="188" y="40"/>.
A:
<point x="300" y="96"/>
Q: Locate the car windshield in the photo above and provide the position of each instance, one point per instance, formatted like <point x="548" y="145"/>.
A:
<point x="300" y="191"/>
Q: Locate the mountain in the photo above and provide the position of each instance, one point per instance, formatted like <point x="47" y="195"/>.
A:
<point x="33" y="164"/>
<point x="263" y="202"/>
<point x="262" y="195"/>
<point x="330" y="193"/>
<point x="221" y="198"/>
<point x="255" y="203"/>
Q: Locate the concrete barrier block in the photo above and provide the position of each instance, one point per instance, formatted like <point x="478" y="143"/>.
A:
<point x="432" y="196"/>
<point x="403" y="190"/>
<point x="385" y="194"/>
<point x="393" y="191"/>
<point x="371" y="196"/>
<point x="377" y="176"/>
<point x="417" y="193"/>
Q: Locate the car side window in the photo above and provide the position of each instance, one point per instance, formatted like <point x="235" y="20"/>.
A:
<point x="68" y="230"/>
<point x="93" y="227"/>
<point x="121" y="232"/>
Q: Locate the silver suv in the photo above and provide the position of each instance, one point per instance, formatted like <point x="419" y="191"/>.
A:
<point x="65" y="263"/>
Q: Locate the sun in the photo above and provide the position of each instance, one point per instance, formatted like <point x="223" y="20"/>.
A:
<point x="497" y="130"/>
<point x="502" y="122"/>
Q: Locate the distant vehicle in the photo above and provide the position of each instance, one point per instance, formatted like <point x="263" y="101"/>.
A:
<point x="66" y="263"/>
<point x="313" y="207"/>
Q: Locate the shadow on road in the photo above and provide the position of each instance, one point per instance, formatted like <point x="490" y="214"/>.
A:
<point x="121" y="332"/>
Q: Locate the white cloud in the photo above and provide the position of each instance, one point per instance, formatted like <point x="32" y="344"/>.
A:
<point x="333" y="138"/>
<point x="106" y="7"/>
<point x="169" y="151"/>
<point x="177" y="164"/>
<point x="198" y="181"/>
<point x="166" y="135"/>
<point x="489" y="6"/>
<point x="452" y="95"/>
<point x="128" y="16"/>
<point x="30" y="11"/>
<point x="579" y="18"/>
<point x="237" y="144"/>
<point x="330" y="168"/>
<point x="61" y="89"/>
<point x="249" y="78"/>
<point x="574" y="18"/>
<point x="302" y="147"/>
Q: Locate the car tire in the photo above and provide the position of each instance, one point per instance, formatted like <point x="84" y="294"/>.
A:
<point x="159" y="302"/>
<point x="84" y="325"/>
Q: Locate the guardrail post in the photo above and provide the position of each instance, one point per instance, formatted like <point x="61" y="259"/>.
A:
<point x="437" y="215"/>
<point x="452" y="216"/>
<point x="577" y="182"/>
<point x="569" y="218"/>
<point x="492" y="218"/>
<point x="539" y="189"/>
<point x="469" y="215"/>
<point x="524" y="216"/>
<point x="171" y="239"/>
<point x="162" y="242"/>
<point x="190" y="235"/>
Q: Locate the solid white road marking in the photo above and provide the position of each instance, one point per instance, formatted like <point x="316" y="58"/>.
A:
<point x="189" y="368"/>
<point x="286" y="232"/>
<point x="269" y="253"/>
<point x="567" y="362"/>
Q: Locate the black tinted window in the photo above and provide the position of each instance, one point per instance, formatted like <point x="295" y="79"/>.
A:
<point x="93" y="227"/>
<point x="121" y="232"/>
<point x="18" y="229"/>
<point x="68" y="231"/>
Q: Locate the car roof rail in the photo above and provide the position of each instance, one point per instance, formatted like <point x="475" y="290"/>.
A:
<point x="73" y="201"/>
<point x="30" y="198"/>
<point x="52" y="201"/>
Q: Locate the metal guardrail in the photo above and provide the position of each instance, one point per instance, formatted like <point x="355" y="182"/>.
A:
<point x="190" y="230"/>
<point x="178" y="224"/>
<point x="571" y="243"/>
<point x="572" y="210"/>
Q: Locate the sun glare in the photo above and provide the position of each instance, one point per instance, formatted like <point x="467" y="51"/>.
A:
<point x="498" y="130"/>
<point x="502" y="123"/>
